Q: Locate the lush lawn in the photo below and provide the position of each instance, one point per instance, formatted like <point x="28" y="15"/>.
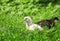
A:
<point x="12" y="26"/>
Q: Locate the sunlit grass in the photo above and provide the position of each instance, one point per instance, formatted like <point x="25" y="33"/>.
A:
<point x="13" y="28"/>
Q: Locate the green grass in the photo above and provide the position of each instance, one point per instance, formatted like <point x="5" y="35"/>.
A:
<point x="13" y="28"/>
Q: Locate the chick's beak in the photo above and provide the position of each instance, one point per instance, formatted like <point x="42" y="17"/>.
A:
<point x="23" y="19"/>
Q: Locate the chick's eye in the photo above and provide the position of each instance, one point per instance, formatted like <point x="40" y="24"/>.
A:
<point x="26" y="19"/>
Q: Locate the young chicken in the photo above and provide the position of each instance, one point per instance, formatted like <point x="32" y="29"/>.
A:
<point x="48" y="23"/>
<point x="30" y="25"/>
